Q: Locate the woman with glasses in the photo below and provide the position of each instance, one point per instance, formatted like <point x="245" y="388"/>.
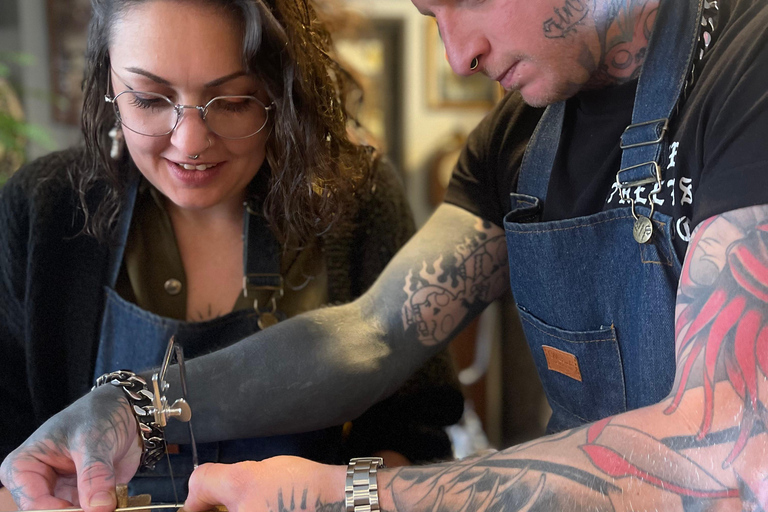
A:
<point x="218" y="193"/>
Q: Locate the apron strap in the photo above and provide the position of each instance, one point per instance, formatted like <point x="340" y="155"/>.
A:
<point x="123" y="226"/>
<point x="261" y="254"/>
<point x="662" y="78"/>
<point x="540" y="154"/>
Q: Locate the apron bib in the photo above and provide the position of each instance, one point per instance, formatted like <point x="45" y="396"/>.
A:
<point x="134" y="338"/>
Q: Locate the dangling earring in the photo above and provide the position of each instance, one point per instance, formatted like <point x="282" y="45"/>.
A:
<point x="116" y="134"/>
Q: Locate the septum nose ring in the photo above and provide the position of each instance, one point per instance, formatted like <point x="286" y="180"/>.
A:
<point x="473" y="65"/>
<point x="195" y="157"/>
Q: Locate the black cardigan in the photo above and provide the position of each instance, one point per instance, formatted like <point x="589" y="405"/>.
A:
<point x="51" y="303"/>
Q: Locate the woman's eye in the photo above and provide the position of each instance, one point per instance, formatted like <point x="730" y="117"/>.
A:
<point x="233" y="105"/>
<point x="146" y="102"/>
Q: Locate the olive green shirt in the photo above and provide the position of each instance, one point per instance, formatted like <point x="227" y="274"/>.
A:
<point x="152" y="275"/>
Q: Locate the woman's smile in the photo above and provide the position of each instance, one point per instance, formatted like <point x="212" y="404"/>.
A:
<point x="193" y="166"/>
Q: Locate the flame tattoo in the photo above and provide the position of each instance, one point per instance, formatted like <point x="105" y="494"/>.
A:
<point x="441" y="294"/>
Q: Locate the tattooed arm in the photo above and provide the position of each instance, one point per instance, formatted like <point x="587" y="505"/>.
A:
<point x="703" y="448"/>
<point x="314" y="370"/>
<point x="444" y="276"/>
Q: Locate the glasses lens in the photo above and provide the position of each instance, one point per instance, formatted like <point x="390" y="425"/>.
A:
<point x="236" y="117"/>
<point x="145" y="112"/>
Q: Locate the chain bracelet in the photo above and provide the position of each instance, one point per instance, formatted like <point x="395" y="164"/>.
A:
<point x="140" y="400"/>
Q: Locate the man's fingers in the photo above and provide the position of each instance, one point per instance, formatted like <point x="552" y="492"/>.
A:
<point x="206" y="489"/>
<point x="219" y="484"/>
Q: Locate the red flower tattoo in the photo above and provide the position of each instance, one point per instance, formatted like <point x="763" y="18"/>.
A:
<point x="729" y="324"/>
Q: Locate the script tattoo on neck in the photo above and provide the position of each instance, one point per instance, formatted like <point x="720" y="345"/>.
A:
<point x="566" y="18"/>
<point x="442" y="293"/>
<point x="622" y="27"/>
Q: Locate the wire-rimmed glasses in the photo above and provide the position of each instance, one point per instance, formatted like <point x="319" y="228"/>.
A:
<point x="155" y="115"/>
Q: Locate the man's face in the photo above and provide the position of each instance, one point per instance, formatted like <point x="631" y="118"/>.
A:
<point x="544" y="48"/>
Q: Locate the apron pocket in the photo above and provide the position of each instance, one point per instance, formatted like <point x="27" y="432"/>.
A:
<point x="581" y="371"/>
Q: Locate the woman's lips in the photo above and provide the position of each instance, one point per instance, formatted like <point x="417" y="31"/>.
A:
<point x="196" y="167"/>
<point x="195" y="174"/>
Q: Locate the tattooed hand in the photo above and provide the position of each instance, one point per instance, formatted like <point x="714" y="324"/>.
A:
<point x="77" y="457"/>
<point x="280" y="484"/>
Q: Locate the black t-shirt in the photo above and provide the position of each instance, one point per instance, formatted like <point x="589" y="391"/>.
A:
<point x="718" y="143"/>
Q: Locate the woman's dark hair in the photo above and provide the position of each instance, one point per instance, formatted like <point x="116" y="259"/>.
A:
<point x="315" y="169"/>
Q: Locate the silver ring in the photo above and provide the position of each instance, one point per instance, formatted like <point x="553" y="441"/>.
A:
<point x="473" y="65"/>
<point x="195" y="157"/>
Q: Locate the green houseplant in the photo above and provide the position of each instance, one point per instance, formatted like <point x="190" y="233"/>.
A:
<point x="15" y="132"/>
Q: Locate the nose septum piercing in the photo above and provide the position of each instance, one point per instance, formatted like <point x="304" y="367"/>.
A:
<point x="473" y="65"/>
<point x="195" y="157"/>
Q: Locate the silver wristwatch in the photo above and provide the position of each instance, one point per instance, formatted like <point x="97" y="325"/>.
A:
<point x="361" y="491"/>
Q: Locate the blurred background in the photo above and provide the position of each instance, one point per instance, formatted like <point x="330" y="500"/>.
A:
<point x="417" y="110"/>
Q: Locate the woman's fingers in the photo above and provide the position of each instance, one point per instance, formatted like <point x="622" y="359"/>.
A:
<point x="31" y="475"/>
<point x="76" y="457"/>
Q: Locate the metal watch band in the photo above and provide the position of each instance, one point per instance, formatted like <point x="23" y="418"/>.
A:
<point x="361" y="492"/>
<point x="140" y="399"/>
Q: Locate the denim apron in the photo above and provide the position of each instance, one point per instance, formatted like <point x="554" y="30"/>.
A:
<point x="134" y="338"/>
<point x="596" y="305"/>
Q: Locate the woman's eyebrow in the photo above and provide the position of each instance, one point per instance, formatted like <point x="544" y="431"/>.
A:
<point x="224" y="79"/>
<point x="163" y="81"/>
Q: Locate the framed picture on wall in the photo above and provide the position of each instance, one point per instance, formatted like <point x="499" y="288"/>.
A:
<point x="446" y="89"/>
<point x="373" y="55"/>
<point x="67" y="40"/>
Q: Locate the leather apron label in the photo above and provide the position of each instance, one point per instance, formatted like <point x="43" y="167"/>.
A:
<point x="562" y="362"/>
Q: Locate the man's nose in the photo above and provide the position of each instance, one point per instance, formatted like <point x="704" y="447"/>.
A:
<point x="462" y="44"/>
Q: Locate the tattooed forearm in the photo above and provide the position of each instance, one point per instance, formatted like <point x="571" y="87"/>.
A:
<point x="442" y="293"/>
<point x="606" y="466"/>
<point x="500" y="481"/>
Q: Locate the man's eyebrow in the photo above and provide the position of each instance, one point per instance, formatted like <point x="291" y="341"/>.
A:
<point x="163" y="81"/>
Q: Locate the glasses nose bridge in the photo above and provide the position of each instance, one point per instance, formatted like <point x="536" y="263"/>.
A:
<point x="201" y="109"/>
